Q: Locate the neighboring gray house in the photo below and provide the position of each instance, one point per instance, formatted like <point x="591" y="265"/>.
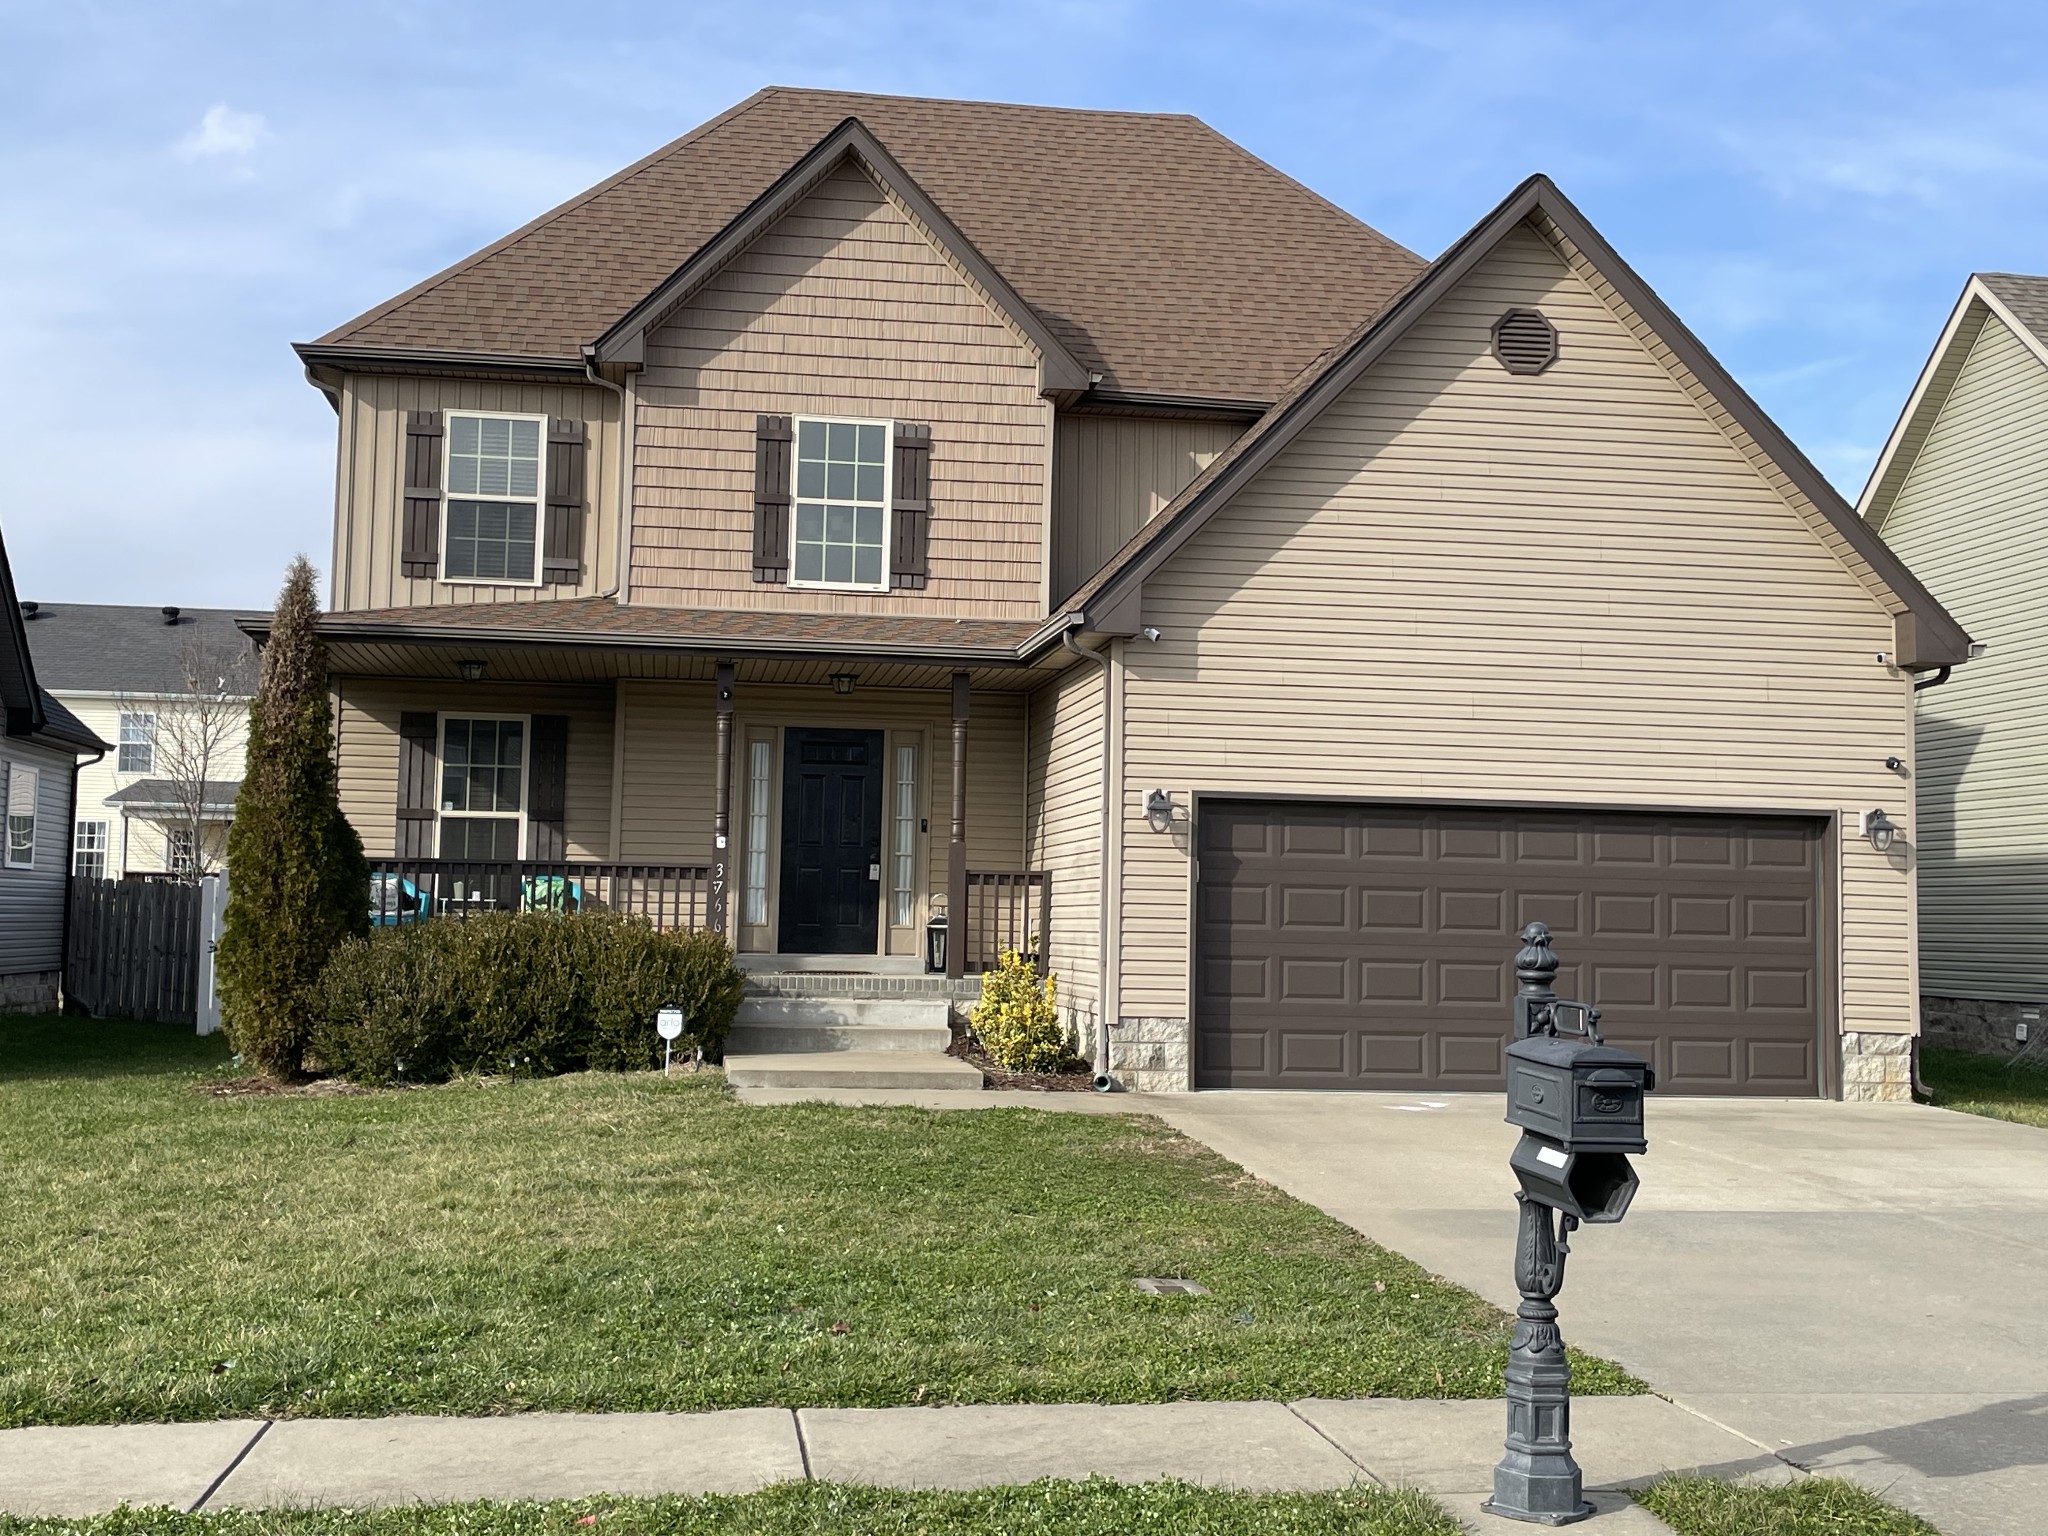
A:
<point x="169" y="688"/>
<point x="40" y="743"/>
<point x="1961" y="493"/>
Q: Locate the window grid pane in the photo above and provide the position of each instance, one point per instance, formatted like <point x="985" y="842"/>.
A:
<point x="480" y="765"/>
<point x="903" y="893"/>
<point x="492" y="539"/>
<point x="840" y="473"/>
<point x="758" y="755"/>
<point x="138" y="744"/>
<point x="89" y="860"/>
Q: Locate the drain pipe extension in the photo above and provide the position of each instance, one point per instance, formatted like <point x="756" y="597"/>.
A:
<point x="1104" y="1083"/>
<point x="629" y="412"/>
<point x="1916" y="1084"/>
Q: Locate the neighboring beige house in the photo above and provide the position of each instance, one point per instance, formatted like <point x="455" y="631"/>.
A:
<point x="864" y="507"/>
<point x="168" y="688"/>
<point x="1961" y="490"/>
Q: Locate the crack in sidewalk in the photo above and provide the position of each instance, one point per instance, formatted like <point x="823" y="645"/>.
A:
<point x="229" y="1470"/>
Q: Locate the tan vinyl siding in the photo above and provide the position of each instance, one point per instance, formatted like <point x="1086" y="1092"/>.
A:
<point x="1065" y="755"/>
<point x="368" y="525"/>
<point x="366" y="733"/>
<point x="1970" y="516"/>
<point x="842" y="309"/>
<point x="1571" y="589"/>
<point x="1112" y="475"/>
<point x="669" y="740"/>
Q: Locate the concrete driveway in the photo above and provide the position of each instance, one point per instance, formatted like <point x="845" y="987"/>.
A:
<point x="1861" y="1289"/>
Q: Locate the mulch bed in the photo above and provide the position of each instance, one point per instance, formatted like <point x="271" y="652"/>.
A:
<point x="1074" y="1079"/>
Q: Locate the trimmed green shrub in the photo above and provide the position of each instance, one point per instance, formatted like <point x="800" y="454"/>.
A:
<point x="530" y="993"/>
<point x="297" y="879"/>
<point x="1018" y="1020"/>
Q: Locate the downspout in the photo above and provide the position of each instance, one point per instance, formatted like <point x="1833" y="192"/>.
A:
<point x="628" y="422"/>
<point x="78" y="766"/>
<point x="1104" y="1083"/>
<point x="1920" y="684"/>
<point x="1918" y="1086"/>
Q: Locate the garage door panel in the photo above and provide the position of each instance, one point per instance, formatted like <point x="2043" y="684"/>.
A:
<point x="1370" y="946"/>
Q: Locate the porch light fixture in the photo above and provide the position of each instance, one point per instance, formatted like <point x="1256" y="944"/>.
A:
<point x="842" y="682"/>
<point x="472" y="671"/>
<point x="1880" y="829"/>
<point x="1159" y="808"/>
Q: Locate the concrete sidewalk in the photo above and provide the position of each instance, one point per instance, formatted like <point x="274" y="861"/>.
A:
<point x="1445" y="1448"/>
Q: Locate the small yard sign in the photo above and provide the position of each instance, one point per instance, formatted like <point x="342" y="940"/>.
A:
<point x="668" y="1023"/>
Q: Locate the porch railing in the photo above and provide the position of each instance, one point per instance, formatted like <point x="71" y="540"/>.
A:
<point x="1006" y="910"/>
<point x="412" y="890"/>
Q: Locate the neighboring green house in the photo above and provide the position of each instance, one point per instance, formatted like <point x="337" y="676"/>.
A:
<point x="1961" y="494"/>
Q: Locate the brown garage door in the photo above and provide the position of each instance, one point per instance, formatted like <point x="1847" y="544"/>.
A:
<point x="1371" y="946"/>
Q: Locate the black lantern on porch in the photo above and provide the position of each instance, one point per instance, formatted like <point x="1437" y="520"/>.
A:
<point x="935" y="943"/>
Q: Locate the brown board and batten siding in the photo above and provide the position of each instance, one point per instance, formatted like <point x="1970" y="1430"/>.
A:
<point x="1112" y="475"/>
<point x="369" y="720"/>
<point x="1065" y="776"/>
<point x="1968" y="516"/>
<point x="370" y="522"/>
<point x="844" y="309"/>
<point x="1572" y="589"/>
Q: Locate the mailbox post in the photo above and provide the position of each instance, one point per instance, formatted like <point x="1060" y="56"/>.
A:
<point x="1579" y="1104"/>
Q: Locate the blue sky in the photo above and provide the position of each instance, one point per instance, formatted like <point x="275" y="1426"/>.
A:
<point x="187" y="188"/>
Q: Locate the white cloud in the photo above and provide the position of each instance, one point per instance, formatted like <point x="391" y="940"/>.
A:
<point x="223" y="131"/>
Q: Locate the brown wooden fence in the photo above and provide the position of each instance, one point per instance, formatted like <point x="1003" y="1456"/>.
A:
<point x="133" y="950"/>
<point x="1007" y="910"/>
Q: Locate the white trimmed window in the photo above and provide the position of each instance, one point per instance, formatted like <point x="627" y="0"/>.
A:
<point x="760" y="755"/>
<point x="492" y="528"/>
<point x="483" y="770"/>
<point x="842" y="504"/>
<point x="89" y="850"/>
<point x="22" y="784"/>
<point x="138" y="744"/>
<point x="903" y="846"/>
<point x="181" y="853"/>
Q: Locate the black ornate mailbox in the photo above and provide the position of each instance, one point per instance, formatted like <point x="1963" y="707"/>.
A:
<point x="1579" y="1104"/>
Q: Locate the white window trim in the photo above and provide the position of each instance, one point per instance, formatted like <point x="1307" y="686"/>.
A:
<point x="441" y="720"/>
<point x="35" y="820"/>
<point x="449" y="498"/>
<point x="105" y="849"/>
<point x="888" y="427"/>
<point x="120" y="747"/>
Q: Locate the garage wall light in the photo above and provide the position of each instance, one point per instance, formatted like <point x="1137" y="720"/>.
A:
<point x="1159" y="808"/>
<point x="1880" y="829"/>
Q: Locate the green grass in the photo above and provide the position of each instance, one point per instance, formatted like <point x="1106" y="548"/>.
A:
<point x="1820" y="1506"/>
<point x="1093" y="1508"/>
<point x="1986" y="1085"/>
<point x="603" y="1242"/>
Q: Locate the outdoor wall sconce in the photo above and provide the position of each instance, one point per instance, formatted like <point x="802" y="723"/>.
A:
<point x="842" y="682"/>
<point x="1159" y="808"/>
<point x="1880" y="829"/>
<point x="472" y="671"/>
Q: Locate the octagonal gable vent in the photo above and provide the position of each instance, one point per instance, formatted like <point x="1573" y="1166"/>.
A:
<point x="1524" y="342"/>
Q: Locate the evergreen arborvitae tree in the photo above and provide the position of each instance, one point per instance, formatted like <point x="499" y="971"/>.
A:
<point x="297" y="881"/>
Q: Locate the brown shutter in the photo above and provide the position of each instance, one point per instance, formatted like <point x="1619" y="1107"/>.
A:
<point x="562" y="556"/>
<point x="422" y="556"/>
<point x="772" y="450"/>
<point x="547" y="796"/>
<point x="910" y="508"/>
<point x="416" y="787"/>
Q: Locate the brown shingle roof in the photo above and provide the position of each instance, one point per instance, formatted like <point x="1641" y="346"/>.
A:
<point x="2026" y="297"/>
<point x="1162" y="255"/>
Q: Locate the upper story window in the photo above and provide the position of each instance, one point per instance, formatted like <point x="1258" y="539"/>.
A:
<point x="138" y="744"/>
<point x="842" y="503"/>
<point x="494" y="481"/>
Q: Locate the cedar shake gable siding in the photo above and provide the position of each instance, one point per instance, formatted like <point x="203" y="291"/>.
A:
<point x="1162" y="256"/>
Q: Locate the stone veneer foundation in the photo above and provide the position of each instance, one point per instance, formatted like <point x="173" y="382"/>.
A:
<point x="29" y="992"/>
<point x="1150" y="1055"/>
<point x="1877" y="1068"/>
<point x="1986" y="1024"/>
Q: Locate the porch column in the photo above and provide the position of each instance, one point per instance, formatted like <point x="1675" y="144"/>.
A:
<point x="721" y="802"/>
<point x="956" y="852"/>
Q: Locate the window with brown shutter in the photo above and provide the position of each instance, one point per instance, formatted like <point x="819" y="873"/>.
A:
<point x="910" y="508"/>
<point x="547" y="795"/>
<point x="562" y="554"/>
<point x="422" y="543"/>
<point x="772" y="444"/>
<point x="416" y="786"/>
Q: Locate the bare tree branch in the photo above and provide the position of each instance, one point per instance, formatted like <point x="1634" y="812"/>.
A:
<point x="200" y="735"/>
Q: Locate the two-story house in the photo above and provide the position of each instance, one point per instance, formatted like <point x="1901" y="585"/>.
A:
<point x="169" y="689"/>
<point x="866" y="507"/>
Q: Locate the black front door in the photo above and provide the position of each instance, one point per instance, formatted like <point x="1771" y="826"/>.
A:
<point x="831" y="842"/>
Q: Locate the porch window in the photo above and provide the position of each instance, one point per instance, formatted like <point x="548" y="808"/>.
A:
<point x="138" y="744"/>
<point x="842" y="491"/>
<point x="758" y="755"/>
<point x="482" y="763"/>
<point x="903" y="849"/>
<point x="493" y="498"/>
<point x="182" y="851"/>
<point x="21" y="817"/>
<point x="89" y="850"/>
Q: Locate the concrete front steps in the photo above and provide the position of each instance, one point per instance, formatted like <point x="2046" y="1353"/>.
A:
<point x="850" y="1023"/>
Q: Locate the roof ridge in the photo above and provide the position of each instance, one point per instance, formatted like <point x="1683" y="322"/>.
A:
<point x="970" y="101"/>
<point x="1270" y="169"/>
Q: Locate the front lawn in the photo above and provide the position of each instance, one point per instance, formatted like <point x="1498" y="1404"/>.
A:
<point x="1987" y="1085"/>
<point x="605" y="1242"/>
<point x="1818" y="1506"/>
